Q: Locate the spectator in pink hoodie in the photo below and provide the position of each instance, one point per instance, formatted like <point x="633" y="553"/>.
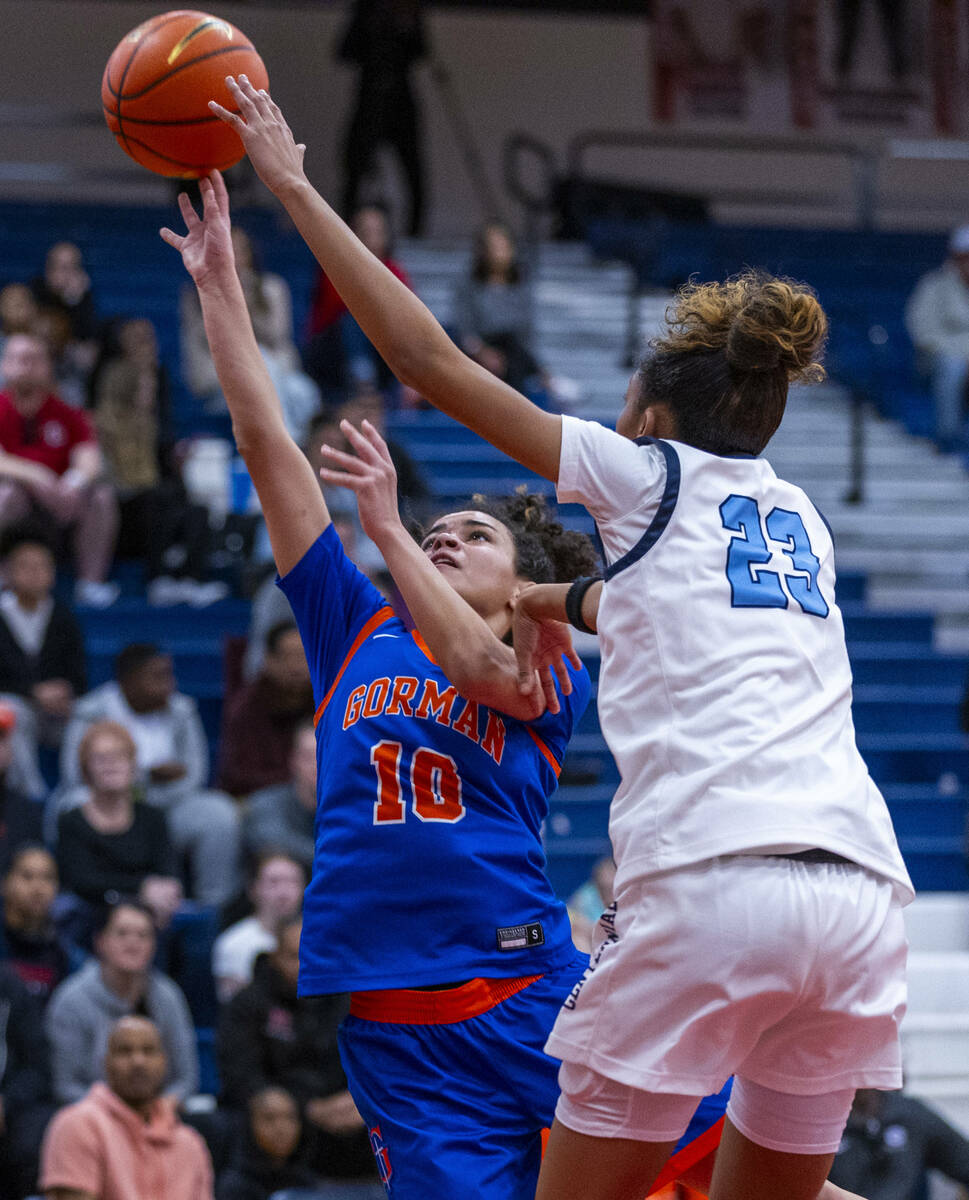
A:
<point x="124" y="1138"/>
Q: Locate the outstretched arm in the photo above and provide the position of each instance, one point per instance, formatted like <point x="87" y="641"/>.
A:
<point x="467" y="649"/>
<point x="405" y="333"/>
<point x="291" y="500"/>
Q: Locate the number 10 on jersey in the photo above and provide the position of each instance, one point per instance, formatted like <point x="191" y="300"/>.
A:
<point x="435" y="785"/>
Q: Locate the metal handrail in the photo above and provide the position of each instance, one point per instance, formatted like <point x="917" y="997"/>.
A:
<point x="862" y="158"/>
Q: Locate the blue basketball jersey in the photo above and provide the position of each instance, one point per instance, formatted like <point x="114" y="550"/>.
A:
<point x="428" y="866"/>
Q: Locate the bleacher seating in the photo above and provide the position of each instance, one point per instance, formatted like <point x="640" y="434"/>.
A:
<point x="863" y="278"/>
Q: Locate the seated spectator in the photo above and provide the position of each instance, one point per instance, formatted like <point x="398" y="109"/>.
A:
<point x="123" y="1140"/>
<point x="21" y="816"/>
<point x="259" y="722"/>
<point x="271" y="309"/>
<point x="119" y="981"/>
<point x="276" y="892"/>
<point x="172" y="765"/>
<point x="588" y="902"/>
<point x="283" y="816"/>
<point x="30" y="943"/>
<point x="493" y="310"/>
<point x="114" y="845"/>
<point x="339" y="355"/>
<point x="25" y="1094"/>
<point x="18" y="311"/>
<point x="937" y="318"/>
<point x="65" y="287"/>
<point x="71" y="371"/>
<point x="67" y="319"/>
<point x="269" y="608"/>
<point x="266" y="1158"/>
<point x="50" y="463"/>
<point x="891" y="1141"/>
<point x="269" y="1038"/>
<point x="41" y="646"/>
<point x="158" y="520"/>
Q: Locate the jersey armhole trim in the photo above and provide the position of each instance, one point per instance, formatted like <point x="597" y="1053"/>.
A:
<point x="423" y="646"/>
<point x="547" y="754"/>
<point x="662" y="516"/>
<point x="379" y="618"/>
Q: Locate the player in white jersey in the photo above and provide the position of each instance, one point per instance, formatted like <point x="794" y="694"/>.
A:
<point x="757" y="927"/>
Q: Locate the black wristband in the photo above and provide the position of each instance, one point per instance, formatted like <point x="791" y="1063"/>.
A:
<point x="573" y="601"/>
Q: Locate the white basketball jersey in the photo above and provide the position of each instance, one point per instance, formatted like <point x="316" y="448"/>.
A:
<point x="725" y="688"/>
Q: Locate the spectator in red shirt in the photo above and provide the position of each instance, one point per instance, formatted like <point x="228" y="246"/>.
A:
<point x="260" y="721"/>
<point x="50" y="460"/>
<point x="338" y="355"/>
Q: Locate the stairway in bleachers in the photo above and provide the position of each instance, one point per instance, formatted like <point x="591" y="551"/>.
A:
<point x="935" y="1029"/>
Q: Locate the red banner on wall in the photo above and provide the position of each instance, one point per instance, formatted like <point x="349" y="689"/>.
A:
<point x="830" y="66"/>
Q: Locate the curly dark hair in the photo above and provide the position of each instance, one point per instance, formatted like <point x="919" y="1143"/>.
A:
<point x="545" y="551"/>
<point x="728" y="354"/>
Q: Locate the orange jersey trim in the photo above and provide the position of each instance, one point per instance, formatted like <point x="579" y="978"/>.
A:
<point x="547" y="754"/>
<point x="407" y="1006"/>
<point x="699" y="1148"/>
<point x="424" y="648"/>
<point x="378" y="619"/>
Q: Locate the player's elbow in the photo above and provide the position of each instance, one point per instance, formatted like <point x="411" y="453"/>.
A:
<point x="258" y="440"/>
<point x="424" y="361"/>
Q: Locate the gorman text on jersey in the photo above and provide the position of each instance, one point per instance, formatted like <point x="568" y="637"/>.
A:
<point x="407" y="696"/>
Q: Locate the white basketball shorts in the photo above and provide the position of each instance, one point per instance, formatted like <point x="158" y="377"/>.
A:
<point x="789" y="974"/>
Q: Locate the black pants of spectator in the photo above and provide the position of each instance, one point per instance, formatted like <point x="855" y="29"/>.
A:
<point x="20" y="1150"/>
<point x="385" y="115"/>
<point x="157" y="519"/>
<point x="340" y="1156"/>
<point x="325" y="361"/>
<point x="520" y="363"/>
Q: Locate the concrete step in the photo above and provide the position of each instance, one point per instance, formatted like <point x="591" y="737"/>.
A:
<point x="939" y="1049"/>
<point x="939" y="983"/>
<point x="938" y="923"/>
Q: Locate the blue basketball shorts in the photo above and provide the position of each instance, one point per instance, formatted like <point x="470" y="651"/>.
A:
<point x="457" y="1107"/>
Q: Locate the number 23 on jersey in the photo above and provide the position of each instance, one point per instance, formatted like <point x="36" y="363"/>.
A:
<point x="793" y="569"/>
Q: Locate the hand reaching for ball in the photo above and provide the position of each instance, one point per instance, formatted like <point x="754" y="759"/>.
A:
<point x="268" y="140"/>
<point x="206" y="247"/>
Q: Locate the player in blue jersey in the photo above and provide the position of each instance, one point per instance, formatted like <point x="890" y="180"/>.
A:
<point x="759" y="885"/>
<point x="428" y="900"/>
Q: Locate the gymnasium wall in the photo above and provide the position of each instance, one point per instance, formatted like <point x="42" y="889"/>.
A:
<point x="553" y="75"/>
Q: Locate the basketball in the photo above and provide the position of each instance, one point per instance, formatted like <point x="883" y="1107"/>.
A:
<point x="158" y="82"/>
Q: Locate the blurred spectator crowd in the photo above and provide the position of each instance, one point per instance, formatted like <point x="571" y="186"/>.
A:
<point x="151" y="876"/>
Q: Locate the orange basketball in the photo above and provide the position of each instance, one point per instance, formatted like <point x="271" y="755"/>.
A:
<point x="157" y="85"/>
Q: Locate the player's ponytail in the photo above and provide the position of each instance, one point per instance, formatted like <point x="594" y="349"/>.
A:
<point x="779" y="326"/>
<point x="729" y="354"/>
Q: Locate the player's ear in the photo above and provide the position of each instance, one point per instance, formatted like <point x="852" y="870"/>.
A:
<point x="656" y="421"/>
